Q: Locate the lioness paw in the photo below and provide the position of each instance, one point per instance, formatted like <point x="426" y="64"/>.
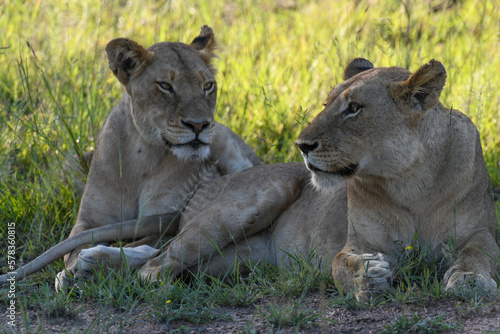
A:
<point x="467" y="281"/>
<point x="81" y="270"/>
<point x="151" y="274"/>
<point x="374" y="278"/>
<point x="63" y="280"/>
<point x="70" y="277"/>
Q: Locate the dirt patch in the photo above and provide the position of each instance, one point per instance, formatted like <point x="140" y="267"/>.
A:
<point x="92" y="317"/>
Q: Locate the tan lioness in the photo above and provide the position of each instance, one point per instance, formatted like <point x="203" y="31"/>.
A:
<point x="413" y="168"/>
<point x="158" y="143"/>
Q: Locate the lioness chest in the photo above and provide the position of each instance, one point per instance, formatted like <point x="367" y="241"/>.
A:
<point x="148" y="180"/>
<point x="166" y="184"/>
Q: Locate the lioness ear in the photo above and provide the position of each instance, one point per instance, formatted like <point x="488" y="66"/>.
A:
<point x="126" y="58"/>
<point x="422" y="89"/>
<point x="205" y="44"/>
<point x="357" y="66"/>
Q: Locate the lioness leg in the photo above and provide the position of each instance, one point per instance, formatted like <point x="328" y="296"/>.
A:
<point x="115" y="258"/>
<point x="236" y="258"/>
<point x="133" y="256"/>
<point x="474" y="265"/>
<point x="234" y="208"/>
<point x="80" y="265"/>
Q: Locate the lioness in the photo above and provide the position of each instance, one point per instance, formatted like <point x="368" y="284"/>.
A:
<point x="413" y="169"/>
<point x="158" y="142"/>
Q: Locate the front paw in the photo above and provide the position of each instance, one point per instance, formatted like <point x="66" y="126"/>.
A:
<point x="374" y="278"/>
<point x="151" y="273"/>
<point x="160" y="268"/>
<point x="463" y="282"/>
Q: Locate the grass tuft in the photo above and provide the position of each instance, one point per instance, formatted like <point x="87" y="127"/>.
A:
<point x="417" y="275"/>
<point x="418" y="324"/>
<point x="294" y="314"/>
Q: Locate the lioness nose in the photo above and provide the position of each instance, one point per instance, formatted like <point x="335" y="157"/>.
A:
<point x="306" y="148"/>
<point x="196" y="127"/>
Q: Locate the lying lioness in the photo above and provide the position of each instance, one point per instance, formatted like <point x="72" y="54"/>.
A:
<point x="412" y="167"/>
<point x="157" y="145"/>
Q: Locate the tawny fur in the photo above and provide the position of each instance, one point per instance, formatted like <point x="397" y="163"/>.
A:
<point x="416" y="169"/>
<point x="160" y="141"/>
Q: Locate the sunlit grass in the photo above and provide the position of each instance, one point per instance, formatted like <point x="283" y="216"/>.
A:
<point x="274" y="61"/>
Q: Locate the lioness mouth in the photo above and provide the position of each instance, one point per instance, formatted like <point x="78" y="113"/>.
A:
<point x="195" y="144"/>
<point x="345" y="171"/>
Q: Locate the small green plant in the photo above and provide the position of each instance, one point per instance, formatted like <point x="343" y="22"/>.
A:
<point x="417" y="324"/>
<point x="184" y="301"/>
<point x="474" y="293"/>
<point x="249" y="327"/>
<point x="344" y="300"/>
<point x="122" y="290"/>
<point x="293" y="314"/>
<point x="471" y="306"/>
<point x="302" y="274"/>
<point x="56" y="305"/>
<point x="417" y="274"/>
<point x="234" y="291"/>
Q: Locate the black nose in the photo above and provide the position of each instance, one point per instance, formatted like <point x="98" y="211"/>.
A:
<point x="306" y="148"/>
<point x="196" y="127"/>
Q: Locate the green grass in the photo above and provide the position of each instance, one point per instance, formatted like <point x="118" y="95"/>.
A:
<point x="417" y="324"/>
<point x="292" y="315"/>
<point x="276" y="67"/>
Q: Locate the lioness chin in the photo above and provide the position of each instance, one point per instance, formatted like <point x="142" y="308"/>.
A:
<point x="413" y="169"/>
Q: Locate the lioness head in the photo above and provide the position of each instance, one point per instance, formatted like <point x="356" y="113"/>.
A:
<point x="369" y="124"/>
<point x="172" y="91"/>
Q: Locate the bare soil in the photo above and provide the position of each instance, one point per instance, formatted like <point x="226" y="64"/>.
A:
<point x="90" y="317"/>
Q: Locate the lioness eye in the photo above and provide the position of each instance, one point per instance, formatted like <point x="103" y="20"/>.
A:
<point x="165" y="86"/>
<point x="208" y="86"/>
<point x="352" y="110"/>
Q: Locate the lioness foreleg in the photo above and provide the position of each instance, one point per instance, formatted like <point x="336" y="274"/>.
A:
<point x="105" y="257"/>
<point x="248" y="203"/>
<point x="474" y="265"/>
<point x="132" y="256"/>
